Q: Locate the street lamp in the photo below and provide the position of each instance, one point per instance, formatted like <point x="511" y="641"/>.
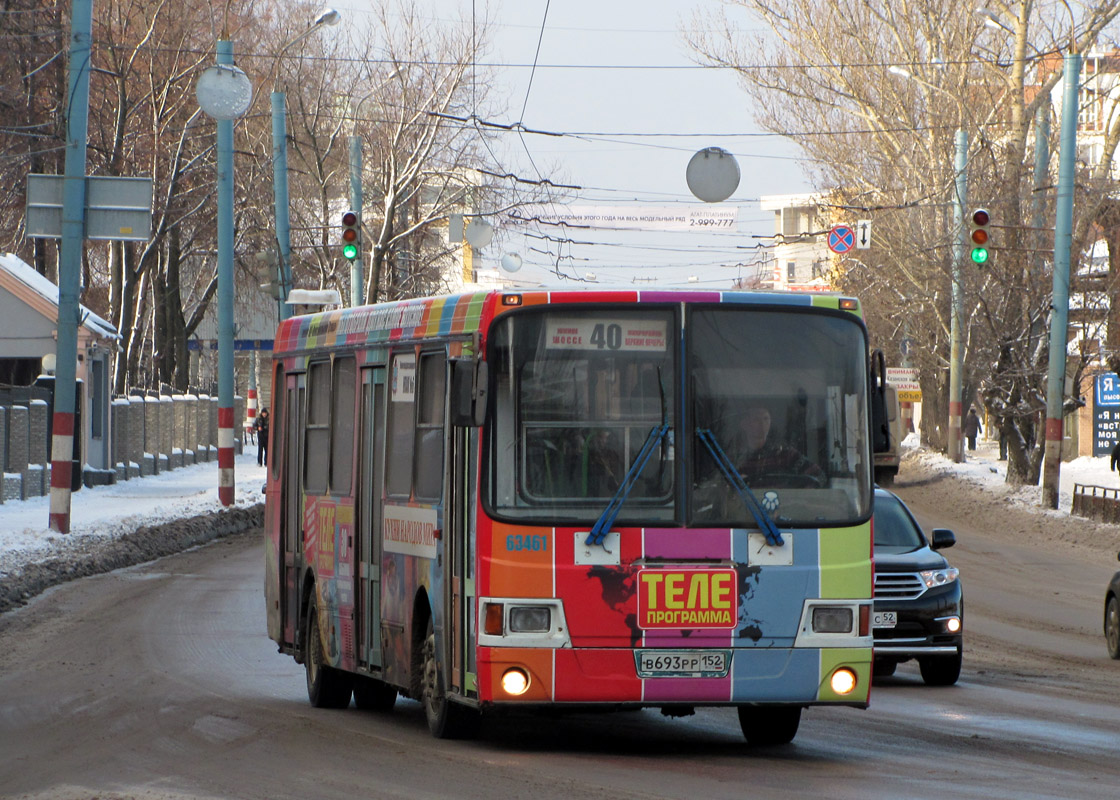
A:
<point x="956" y="357"/>
<point x="326" y="17"/>
<point x="224" y="93"/>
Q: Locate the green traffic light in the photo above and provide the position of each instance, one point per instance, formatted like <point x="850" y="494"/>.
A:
<point x="980" y="255"/>
<point x="350" y="251"/>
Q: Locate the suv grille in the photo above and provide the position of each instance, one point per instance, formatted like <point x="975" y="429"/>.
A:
<point x="898" y="586"/>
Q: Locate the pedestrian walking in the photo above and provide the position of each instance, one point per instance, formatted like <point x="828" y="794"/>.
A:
<point x="972" y="428"/>
<point x="1115" y="456"/>
<point x="260" y="425"/>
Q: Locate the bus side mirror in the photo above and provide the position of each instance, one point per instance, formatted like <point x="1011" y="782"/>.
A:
<point x="880" y="425"/>
<point x="468" y="392"/>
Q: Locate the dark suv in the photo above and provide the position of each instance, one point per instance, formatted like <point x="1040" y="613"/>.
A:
<point x="919" y="608"/>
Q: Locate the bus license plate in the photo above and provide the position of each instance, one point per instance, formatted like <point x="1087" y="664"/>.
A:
<point x="682" y="663"/>
<point x="884" y="619"/>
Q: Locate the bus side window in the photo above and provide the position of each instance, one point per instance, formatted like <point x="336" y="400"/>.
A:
<point x="342" y="425"/>
<point x="431" y="384"/>
<point x="318" y="446"/>
<point x="402" y="426"/>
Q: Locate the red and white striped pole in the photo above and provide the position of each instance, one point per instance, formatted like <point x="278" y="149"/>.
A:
<point x="251" y="402"/>
<point x="62" y="444"/>
<point x="225" y="455"/>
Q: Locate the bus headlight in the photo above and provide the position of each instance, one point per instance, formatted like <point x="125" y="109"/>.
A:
<point x="832" y="619"/>
<point x="530" y="619"/>
<point x="515" y="681"/>
<point x="843" y="681"/>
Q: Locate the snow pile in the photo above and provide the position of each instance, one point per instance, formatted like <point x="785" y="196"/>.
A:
<point x="128" y="523"/>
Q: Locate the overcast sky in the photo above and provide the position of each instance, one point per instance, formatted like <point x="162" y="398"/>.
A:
<point x="607" y="68"/>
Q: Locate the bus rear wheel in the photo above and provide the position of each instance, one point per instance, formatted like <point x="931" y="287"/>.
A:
<point x="446" y="719"/>
<point x="326" y="686"/>
<point x="766" y="726"/>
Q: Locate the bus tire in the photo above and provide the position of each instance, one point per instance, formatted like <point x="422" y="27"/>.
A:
<point x="446" y="719"/>
<point x="371" y="694"/>
<point x="766" y="726"/>
<point x="326" y="687"/>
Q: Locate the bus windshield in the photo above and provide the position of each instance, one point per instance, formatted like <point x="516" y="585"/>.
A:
<point x="774" y="407"/>
<point x="781" y="397"/>
<point x="577" y="393"/>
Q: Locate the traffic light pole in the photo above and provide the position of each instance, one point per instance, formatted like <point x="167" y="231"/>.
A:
<point x="960" y="166"/>
<point x="1059" y="311"/>
<point x="280" y="202"/>
<point x="357" y="279"/>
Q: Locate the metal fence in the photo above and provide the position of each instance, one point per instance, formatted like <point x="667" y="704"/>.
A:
<point x="1096" y="502"/>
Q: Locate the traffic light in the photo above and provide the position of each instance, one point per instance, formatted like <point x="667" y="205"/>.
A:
<point x="351" y="235"/>
<point x="980" y="237"/>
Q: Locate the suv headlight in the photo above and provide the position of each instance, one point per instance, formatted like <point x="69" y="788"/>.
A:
<point x="939" y="577"/>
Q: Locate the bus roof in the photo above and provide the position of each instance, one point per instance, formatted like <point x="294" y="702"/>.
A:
<point x="463" y="314"/>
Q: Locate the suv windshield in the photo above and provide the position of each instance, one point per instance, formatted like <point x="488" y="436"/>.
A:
<point x="892" y="525"/>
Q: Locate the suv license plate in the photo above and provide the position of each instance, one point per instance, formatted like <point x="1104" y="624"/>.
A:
<point x="884" y="619"/>
<point x="682" y="663"/>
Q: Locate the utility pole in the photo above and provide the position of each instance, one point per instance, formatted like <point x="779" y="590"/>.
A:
<point x="225" y="297"/>
<point x="1059" y="310"/>
<point x="70" y="267"/>
<point x="956" y="357"/>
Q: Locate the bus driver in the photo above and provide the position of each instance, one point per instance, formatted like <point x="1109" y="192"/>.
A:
<point x="757" y="458"/>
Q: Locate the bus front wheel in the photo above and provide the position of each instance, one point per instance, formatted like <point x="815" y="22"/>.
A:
<point x="446" y="719"/>
<point x="326" y="686"/>
<point x="764" y="726"/>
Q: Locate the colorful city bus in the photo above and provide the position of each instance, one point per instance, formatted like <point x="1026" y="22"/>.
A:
<point x="551" y="500"/>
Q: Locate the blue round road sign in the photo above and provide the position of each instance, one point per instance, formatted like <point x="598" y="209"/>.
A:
<point x="841" y="239"/>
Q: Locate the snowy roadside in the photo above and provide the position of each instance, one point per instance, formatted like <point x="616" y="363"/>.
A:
<point x="116" y="526"/>
<point x="983" y="469"/>
<point x="140" y="520"/>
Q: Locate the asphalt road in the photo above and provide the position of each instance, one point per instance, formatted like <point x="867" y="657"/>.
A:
<point x="159" y="682"/>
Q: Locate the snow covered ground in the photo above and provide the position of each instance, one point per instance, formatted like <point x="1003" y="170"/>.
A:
<point x="103" y="513"/>
<point x="110" y="511"/>
<point x="983" y="469"/>
<point x="104" y="518"/>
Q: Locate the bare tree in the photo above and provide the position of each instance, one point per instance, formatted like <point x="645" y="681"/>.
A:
<point x="874" y="92"/>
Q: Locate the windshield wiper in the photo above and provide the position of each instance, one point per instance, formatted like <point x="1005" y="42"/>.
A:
<point x="773" y="535"/>
<point x="603" y="525"/>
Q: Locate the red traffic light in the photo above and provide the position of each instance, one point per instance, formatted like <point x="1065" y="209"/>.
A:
<point x="349" y="219"/>
<point x="980" y="216"/>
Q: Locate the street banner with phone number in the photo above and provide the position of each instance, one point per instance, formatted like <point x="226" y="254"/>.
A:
<point x="691" y="217"/>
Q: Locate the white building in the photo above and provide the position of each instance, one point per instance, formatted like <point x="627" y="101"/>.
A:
<point x="801" y="255"/>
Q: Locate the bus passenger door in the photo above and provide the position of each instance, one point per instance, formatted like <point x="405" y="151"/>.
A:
<point x="291" y="534"/>
<point x="459" y="545"/>
<point x="371" y="422"/>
